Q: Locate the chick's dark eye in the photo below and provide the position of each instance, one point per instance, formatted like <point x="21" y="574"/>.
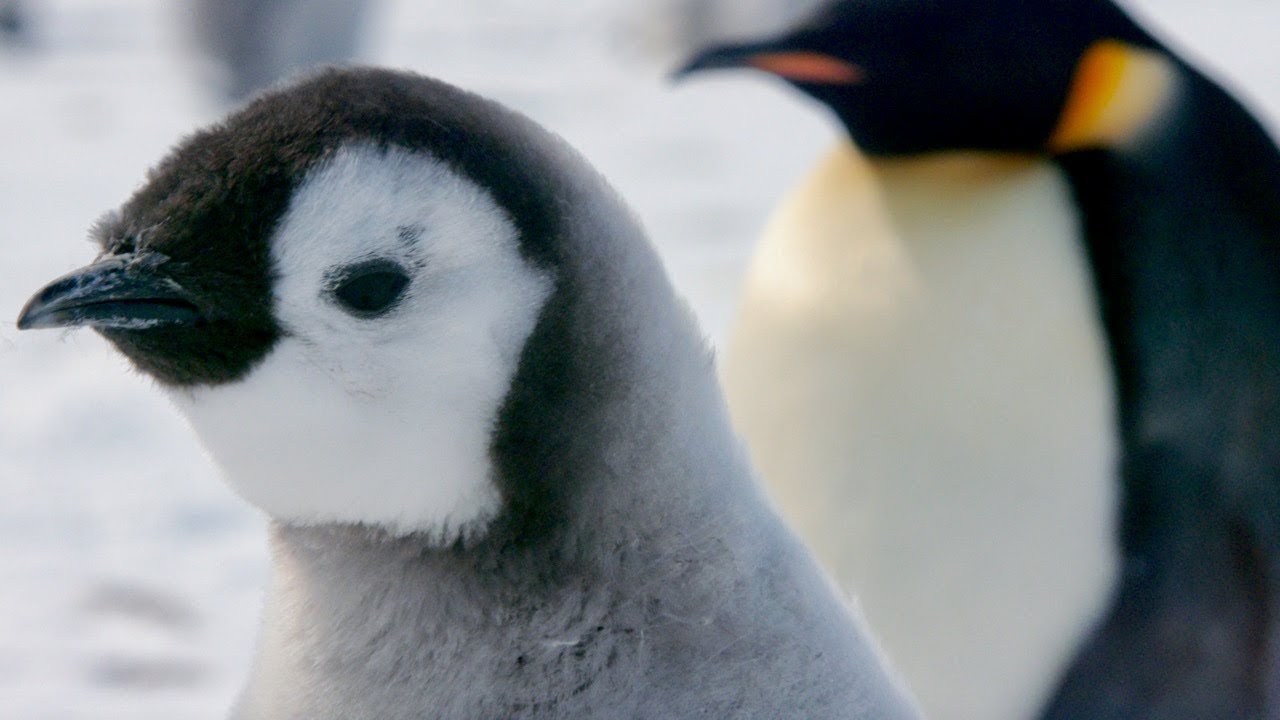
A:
<point x="370" y="288"/>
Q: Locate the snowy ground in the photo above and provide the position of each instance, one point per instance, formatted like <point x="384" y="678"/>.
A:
<point x="130" y="575"/>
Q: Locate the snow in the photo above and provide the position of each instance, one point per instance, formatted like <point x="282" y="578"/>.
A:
<point x="132" y="576"/>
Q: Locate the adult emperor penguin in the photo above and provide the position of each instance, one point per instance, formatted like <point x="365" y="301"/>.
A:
<point x="428" y="340"/>
<point x="911" y="337"/>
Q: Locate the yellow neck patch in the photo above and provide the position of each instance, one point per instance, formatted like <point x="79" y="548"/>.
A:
<point x="1118" y="89"/>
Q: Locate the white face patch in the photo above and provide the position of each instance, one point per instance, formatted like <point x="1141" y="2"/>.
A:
<point x="387" y="419"/>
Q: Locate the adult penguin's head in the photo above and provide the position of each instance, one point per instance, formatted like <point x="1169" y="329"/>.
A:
<point x="915" y="76"/>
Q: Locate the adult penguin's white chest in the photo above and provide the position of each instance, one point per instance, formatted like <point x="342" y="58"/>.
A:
<point x="920" y="373"/>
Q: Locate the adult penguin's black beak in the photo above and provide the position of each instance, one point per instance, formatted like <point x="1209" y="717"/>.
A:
<point x="797" y="65"/>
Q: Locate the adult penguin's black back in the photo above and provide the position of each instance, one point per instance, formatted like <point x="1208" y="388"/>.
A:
<point x="1184" y="234"/>
<point x="1178" y="189"/>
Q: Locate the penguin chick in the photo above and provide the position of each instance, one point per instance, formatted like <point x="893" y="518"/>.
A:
<point x="1173" y="188"/>
<point x="431" y="343"/>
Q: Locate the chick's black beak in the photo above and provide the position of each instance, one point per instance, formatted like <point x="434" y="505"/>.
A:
<point x="117" y="292"/>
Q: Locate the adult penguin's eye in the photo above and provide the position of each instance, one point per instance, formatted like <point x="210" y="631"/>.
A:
<point x="368" y="289"/>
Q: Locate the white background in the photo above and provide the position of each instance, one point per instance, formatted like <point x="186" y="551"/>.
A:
<point x="129" y="576"/>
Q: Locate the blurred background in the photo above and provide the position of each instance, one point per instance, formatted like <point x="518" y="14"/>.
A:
<point x="130" y="577"/>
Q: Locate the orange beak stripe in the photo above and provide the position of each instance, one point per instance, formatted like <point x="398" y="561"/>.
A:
<point x="809" y="67"/>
